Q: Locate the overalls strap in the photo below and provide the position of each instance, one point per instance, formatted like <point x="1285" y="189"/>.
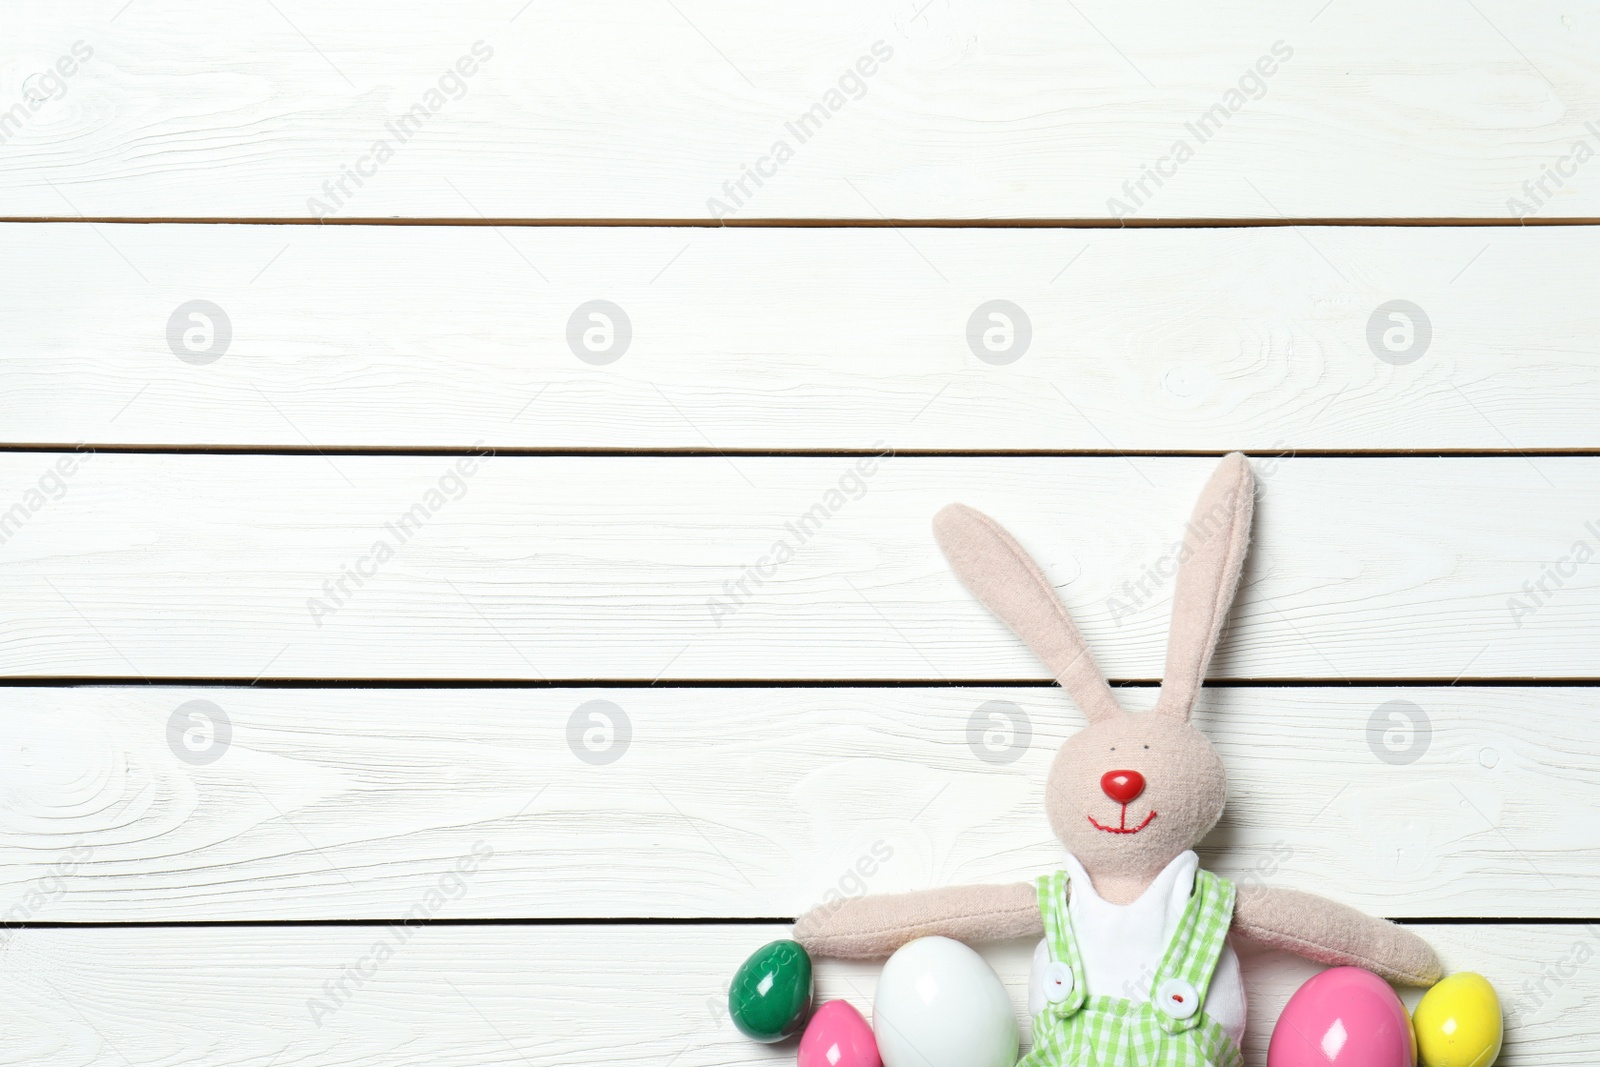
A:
<point x="1053" y="890"/>
<point x="1191" y="960"/>
<point x="1171" y="1029"/>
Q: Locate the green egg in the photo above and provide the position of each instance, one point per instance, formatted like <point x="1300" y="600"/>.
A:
<point x="771" y="992"/>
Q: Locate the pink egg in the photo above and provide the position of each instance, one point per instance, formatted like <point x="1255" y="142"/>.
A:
<point x="1344" y="1017"/>
<point x="837" y="1036"/>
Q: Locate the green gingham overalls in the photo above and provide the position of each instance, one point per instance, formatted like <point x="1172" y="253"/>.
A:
<point x="1170" y="1029"/>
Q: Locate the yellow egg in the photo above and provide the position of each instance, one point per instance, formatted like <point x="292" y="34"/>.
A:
<point x="1458" y="1023"/>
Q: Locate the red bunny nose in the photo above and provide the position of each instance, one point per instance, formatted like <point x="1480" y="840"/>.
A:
<point x="1122" y="786"/>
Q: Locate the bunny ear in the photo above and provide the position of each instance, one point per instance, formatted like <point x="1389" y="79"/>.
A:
<point x="1009" y="583"/>
<point x="1214" y="548"/>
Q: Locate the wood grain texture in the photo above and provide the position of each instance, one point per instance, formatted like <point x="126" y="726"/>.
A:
<point x="636" y="109"/>
<point x="770" y="568"/>
<point x="338" y="804"/>
<point x="818" y="339"/>
<point x="455" y="997"/>
<point x="497" y="803"/>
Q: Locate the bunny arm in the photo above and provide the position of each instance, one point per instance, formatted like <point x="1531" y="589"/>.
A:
<point x="1306" y="925"/>
<point x="871" y="928"/>
<point x="1327" y="932"/>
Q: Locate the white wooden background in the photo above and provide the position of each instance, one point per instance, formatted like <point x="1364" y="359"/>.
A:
<point x="1426" y="528"/>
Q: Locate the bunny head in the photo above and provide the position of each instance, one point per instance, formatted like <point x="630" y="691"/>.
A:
<point x="1129" y="792"/>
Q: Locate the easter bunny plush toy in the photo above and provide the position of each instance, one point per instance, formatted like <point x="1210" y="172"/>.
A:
<point x="1135" y="969"/>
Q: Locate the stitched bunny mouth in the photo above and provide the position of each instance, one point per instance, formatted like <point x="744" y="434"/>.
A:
<point x="1124" y="828"/>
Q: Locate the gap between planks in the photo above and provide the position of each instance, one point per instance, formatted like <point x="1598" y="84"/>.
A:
<point x="827" y="224"/>
<point x="420" y="451"/>
<point x="42" y="681"/>
<point x="649" y="920"/>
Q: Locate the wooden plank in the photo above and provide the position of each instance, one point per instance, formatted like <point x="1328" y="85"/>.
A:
<point x="634" y="109"/>
<point x="338" y="804"/>
<point x="551" y="995"/>
<point x="769" y="568"/>
<point x="778" y="339"/>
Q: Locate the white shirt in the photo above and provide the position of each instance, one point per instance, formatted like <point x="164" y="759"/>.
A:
<point x="1122" y="944"/>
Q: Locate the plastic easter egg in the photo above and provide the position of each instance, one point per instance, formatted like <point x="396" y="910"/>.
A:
<point x="1458" y="1023"/>
<point x="1344" y="1017"/>
<point x="771" y="992"/>
<point x="939" y="1004"/>
<point x="837" y="1036"/>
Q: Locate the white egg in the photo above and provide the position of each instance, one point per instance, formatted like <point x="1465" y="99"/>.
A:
<point x="939" y="1004"/>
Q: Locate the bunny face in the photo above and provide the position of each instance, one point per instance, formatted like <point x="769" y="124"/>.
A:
<point x="1129" y="793"/>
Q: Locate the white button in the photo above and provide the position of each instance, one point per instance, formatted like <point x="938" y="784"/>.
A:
<point x="1177" y="998"/>
<point x="1057" y="982"/>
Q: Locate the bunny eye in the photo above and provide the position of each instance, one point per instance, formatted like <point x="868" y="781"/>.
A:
<point x="1147" y="747"/>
